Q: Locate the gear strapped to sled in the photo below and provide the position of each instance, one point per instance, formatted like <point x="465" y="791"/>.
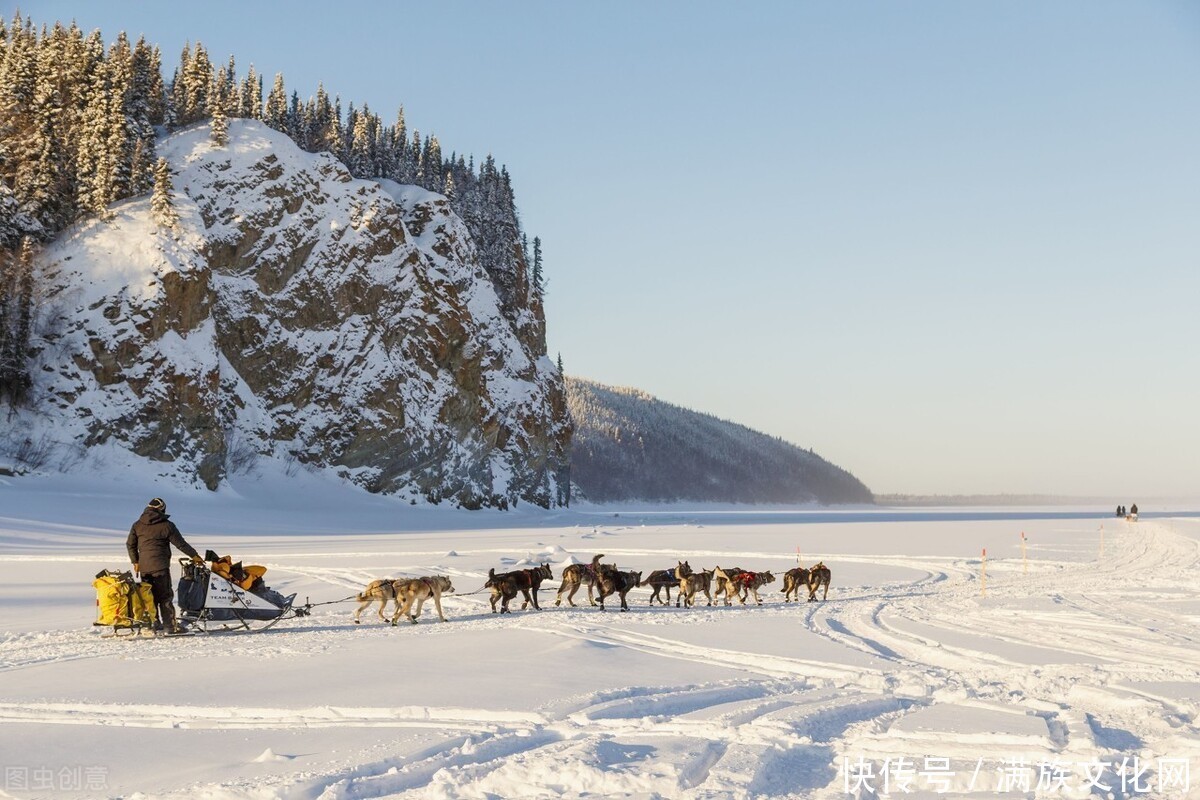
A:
<point x="206" y="596"/>
<point x="247" y="576"/>
<point x="122" y="602"/>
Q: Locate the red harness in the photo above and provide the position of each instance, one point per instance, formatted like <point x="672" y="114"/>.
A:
<point x="747" y="578"/>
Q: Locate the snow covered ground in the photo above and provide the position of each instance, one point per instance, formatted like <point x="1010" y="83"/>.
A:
<point x="906" y="681"/>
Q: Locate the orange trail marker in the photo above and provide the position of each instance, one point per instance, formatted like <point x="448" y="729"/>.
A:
<point x="983" y="575"/>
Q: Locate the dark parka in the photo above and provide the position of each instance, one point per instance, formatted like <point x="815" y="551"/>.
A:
<point x="150" y="540"/>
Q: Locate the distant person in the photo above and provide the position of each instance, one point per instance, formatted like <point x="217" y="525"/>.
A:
<point x="149" y="546"/>
<point x="1133" y="511"/>
<point x="1120" y="512"/>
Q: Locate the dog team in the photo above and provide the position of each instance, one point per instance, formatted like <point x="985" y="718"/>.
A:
<point x="602" y="581"/>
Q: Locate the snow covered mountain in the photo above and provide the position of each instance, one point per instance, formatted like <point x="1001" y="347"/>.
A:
<point x="630" y="446"/>
<point x="292" y="313"/>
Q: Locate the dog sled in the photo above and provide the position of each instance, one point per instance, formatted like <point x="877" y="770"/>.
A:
<point x="221" y="596"/>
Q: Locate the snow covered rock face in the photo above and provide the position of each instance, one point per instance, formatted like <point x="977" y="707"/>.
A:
<point x="297" y="313"/>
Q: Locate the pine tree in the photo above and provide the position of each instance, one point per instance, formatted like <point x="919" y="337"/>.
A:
<point x="406" y="168"/>
<point x="24" y="316"/>
<point x="335" y="133"/>
<point x="16" y="320"/>
<point x="345" y="144"/>
<point x="144" y="104"/>
<point x="295" y="120"/>
<point x="250" y="96"/>
<point x="156" y="93"/>
<point x="19" y="145"/>
<point x="141" y="169"/>
<point x="119" y="145"/>
<point x="171" y="107"/>
<point x="431" y="165"/>
<point x="179" y="95"/>
<point x="93" y="157"/>
<point x="537" y="283"/>
<point x="46" y="179"/>
<point x="381" y="144"/>
<point x="197" y="82"/>
<point x="220" y="125"/>
<point x="162" y="204"/>
<point x="308" y="126"/>
<point x="414" y="157"/>
<point x="230" y="90"/>
<point x="359" y="160"/>
<point x="322" y="121"/>
<point x="275" y="111"/>
<point x="8" y="272"/>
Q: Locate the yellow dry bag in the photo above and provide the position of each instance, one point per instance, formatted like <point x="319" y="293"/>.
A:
<point x="123" y="603"/>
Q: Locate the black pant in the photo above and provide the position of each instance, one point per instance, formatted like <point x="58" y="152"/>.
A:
<point x="164" y="596"/>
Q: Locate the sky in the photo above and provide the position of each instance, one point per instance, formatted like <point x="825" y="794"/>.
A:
<point x="951" y="247"/>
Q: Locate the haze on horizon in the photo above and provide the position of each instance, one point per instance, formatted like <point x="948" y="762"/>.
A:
<point x="949" y="247"/>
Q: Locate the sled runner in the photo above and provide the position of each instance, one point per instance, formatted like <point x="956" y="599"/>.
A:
<point x="236" y="601"/>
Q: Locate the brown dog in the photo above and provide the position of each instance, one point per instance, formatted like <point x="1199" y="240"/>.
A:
<point x="574" y="575"/>
<point x="689" y="585"/>
<point x="663" y="580"/>
<point x="750" y="582"/>
<point x="612" y="581"/>
<point x="793" y="579"/>
<point x="818" y="576"/>
<point x="526" y="581"/>
<point x="725" y="581"/>
<point x="419" y="590"/>
<point x="503" y="588"/>
<point x="382" y="591"/>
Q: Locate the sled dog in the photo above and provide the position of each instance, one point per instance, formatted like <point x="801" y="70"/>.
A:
<point x="663" y="580"/>
<point x="725" y="582"/>
<point x="419" y="590"/>
<point x="526" y="581"/>
<point x="574" y="575"/>
<point x="690" y="584"/>
<point x="611" y="581"/>
<point x="751" y="582"/>
<point x="793" y="579"/>
<point x="818" y="576"/>
<point x="382" y="591"/>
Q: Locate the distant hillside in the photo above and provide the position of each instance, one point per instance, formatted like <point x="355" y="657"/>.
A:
<point x="630" y="446"/>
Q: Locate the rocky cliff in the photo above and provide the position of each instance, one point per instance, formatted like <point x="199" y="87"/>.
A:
<point x="297" y="314"/>
<point x="630" y="446"/>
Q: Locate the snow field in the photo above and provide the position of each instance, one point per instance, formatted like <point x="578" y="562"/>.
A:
<point x="1082" y="660"/>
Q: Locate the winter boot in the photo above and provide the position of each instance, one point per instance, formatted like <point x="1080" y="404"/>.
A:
<point x="167" y="612"/>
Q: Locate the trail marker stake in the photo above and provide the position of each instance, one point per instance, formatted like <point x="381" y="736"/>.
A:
<point x="797" y="555"/>
<point x="983" y="575"/>
<point x="1024" y="562"/>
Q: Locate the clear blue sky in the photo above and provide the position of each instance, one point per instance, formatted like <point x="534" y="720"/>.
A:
<point x="950" y="246"/>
